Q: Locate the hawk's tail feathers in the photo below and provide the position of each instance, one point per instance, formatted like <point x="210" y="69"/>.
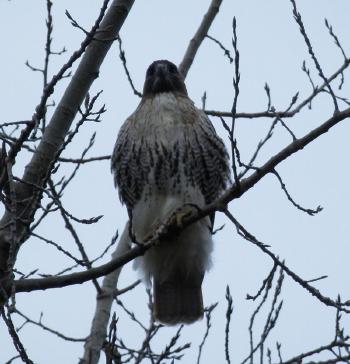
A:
<point x="177" y="301"/>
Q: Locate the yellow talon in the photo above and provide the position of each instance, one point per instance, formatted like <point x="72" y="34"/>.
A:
<point x="174" y="222"/>
<point x="178" y="217"/>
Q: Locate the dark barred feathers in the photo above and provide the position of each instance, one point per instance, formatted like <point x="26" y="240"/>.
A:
<point x="191" y="154"/>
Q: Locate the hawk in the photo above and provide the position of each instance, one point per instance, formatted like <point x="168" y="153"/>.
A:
<point x="168" y="155"/>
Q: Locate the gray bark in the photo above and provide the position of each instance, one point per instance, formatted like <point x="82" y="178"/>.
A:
<point x="39" y="168"/>
<point x="94" y="343"/>
<point x="197" y="39"/>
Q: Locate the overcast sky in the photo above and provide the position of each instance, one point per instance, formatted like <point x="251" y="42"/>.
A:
<point x="272" y="50"/>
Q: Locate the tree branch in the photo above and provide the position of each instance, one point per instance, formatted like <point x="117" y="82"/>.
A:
<point x="198" y="38"/>
<point x="94" y="343"/>
<point x="283" y="114"/>
<point x="39" y="168"/>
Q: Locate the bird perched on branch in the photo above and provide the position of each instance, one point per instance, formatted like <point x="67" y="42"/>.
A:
<point x="168" y="155"/>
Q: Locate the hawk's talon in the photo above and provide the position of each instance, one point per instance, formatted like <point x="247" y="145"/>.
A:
<point x="178" y="218"/>
<point x="174" y="222"/>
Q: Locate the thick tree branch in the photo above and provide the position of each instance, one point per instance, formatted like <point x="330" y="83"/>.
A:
<point x="198" y="38"/>
<point x="41" y="164"/>
<point x="94" y="343"/>
<point x="28" y="285"/>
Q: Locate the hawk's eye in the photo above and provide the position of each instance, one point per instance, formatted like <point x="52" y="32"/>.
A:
<point x="150" y="71"/>
<point x="172" y="68"/>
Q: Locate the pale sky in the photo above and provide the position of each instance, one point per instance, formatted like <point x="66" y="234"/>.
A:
<point x="272" y="50"/>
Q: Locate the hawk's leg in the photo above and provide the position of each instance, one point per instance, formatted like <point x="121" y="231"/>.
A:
<point x="178" y="218"/>
<point x="174" y="222"/>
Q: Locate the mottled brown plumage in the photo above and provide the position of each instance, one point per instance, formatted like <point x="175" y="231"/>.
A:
<point x="168" y="154"/>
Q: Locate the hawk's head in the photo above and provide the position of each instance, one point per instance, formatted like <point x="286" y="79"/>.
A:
<point x="163" y="76"/>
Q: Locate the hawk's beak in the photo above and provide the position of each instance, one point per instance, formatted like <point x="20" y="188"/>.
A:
<point x="161" y="71"/>
<point x="162" y="81"/>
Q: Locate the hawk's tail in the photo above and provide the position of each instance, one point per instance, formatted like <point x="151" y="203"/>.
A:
<point x="178" y="299"/>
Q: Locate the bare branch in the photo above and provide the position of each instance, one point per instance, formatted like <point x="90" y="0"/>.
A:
<point x="299" y="21"/>
<point x="38" y="170"/>
<point x="46" y="328"/>
<point x="227" y="327"/>
<point x="170" y="348"/>
<point x="94" y="343"/>
<point x="197" y="39"/>
<point x="208" y="312"/>
<point x="315" y="292"/>
<point x="86" y="160"/>
<point x="49" y="88"/>
<point x="226" y="51"/>
<point x="271" y="319"/>
<point x="235" y="82"/>
<point x="310" y="212"/>
<point x="10" y="361"/>
<point x="266" y="282"/>
<point x="334" y="344"/>
<point x="283" y="114"/>
<point x="15" y="338"/>
<point x="335" y="38"/>
<point x="123" y="59"/>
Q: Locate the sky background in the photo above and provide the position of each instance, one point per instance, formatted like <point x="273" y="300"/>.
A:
<point x="272" y="50"/>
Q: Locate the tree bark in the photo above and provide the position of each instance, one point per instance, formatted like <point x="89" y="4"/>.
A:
<point x="28" y="193"/>
<point x="94" y="343"/>
<point x="197" y="39"/>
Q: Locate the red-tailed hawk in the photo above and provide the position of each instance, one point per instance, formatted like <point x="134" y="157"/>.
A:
<point x="167" y="155"/>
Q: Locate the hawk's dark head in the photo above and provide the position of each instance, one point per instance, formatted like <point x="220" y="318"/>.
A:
<point x="163" y="76"/>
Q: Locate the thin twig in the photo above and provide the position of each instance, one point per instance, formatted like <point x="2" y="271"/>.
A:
<point x="226" y="51"/>
<point x="235" y="81"/>
<point x="283" y="114"/>
<point x="299" y="21"/>
<point x="46" y="328"/>
<point x="315" y="292"/>
<point x="208" y="312"/>
<point x="310" y="212"/>
<point x="335" y="38"/>
<point x="123" y="59"/>
<point x="227" y="326"/>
